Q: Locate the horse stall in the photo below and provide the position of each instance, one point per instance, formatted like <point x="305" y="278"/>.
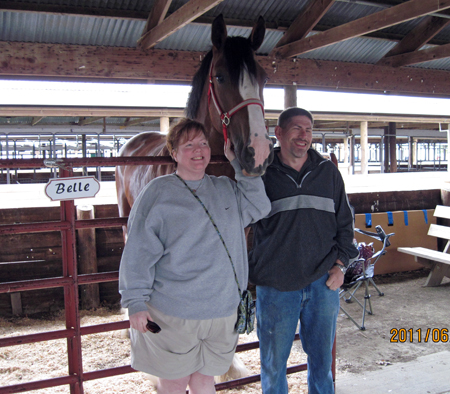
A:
<point x="40" y="265"/>
<point x="40" y="271"/>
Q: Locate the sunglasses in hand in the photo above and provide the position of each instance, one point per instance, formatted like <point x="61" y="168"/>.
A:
<point x="153" y="327"/>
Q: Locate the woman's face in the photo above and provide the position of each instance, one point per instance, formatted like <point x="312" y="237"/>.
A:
<point x="192" y="155"/>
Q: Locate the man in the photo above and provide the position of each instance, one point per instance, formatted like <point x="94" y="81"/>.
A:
<point x="300" y="251"/>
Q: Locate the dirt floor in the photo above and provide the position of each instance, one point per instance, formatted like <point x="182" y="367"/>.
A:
<point x="397" y="330"/>
<point x="406" y="307"/>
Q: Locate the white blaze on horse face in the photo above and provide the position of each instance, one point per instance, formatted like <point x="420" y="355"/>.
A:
<point x="259" y="139"/>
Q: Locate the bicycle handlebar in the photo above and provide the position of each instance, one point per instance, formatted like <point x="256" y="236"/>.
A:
<point x="380" y="235"/>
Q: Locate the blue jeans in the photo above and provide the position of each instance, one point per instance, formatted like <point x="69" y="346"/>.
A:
<point x="278" y="314"/>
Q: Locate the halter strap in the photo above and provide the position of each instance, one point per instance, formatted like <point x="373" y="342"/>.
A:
<point x="225" y="117"/>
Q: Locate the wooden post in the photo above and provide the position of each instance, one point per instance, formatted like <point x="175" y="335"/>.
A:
<point x="364" y="148"/>
<point x="411" y="155"/>
<point x="87" y="259"/>
<point x="164" y="123"/>
<point x="448" y="145"/>
<point x="345" y="144"/>
<point x="393" y="146"/>
<point x="290" y="96"/>
<point x="84" y="151"/>
<point x="16" y="303"/>
<point x="351" y="167"/>
<point x="386" y="150"/>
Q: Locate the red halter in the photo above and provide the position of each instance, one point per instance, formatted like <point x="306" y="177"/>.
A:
<point x="226" y="116"/>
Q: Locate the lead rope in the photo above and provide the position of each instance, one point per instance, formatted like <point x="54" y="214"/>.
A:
<point x="218" y="232"/>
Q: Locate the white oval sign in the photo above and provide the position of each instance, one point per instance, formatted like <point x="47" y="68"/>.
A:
<point x="60" y="189"/>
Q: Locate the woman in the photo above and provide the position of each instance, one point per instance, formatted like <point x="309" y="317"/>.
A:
<point x="175" y="270"/>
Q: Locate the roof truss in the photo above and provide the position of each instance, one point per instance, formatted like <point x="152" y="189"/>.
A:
<point x="377" y="21"/>
<point x="57" y="61"/>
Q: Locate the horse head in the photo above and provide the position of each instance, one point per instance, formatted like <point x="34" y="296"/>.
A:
<point x="234" y="82"/>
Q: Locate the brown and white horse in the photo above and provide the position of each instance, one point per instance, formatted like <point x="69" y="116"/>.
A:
<point x="227" y="97"/>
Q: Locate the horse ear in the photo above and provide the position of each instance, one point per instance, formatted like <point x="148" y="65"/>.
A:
<point x="218" y="32"/>
<point x="258" y="32"/>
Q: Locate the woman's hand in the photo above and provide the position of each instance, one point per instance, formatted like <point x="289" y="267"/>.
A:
<point x="138" y="321"/>
<point x="229" y="154"/>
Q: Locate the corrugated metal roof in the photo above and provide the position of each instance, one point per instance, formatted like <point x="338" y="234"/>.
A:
<point x="440" y="64"/>
<point x="192" y="37"/>
<point x="357" y="50"/>
<point x="124" y="32"/>
<point x="444" y="34"/>
<point x="403" y="28"/>
<point x="251" y="10"/>
<point x="129" y="5"/>
<point x="67" y="29"/>
<point x="344" y="12"/>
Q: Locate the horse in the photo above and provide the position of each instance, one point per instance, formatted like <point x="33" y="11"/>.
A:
<point x="229" y="78"/>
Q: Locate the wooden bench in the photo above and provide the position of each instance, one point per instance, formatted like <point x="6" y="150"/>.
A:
<point x="438" y="262"/>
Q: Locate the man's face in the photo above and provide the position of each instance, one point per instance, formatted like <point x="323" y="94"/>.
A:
<point x="296" y="138"/>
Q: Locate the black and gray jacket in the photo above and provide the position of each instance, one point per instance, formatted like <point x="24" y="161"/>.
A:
<point x="309" y="227"/>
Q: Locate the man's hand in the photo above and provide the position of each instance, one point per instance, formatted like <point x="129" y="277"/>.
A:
<point x="336" y="277"/>
<point x="138" y="321"/>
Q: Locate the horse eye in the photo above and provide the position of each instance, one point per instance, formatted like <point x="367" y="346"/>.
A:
<point x="220" y="78"/>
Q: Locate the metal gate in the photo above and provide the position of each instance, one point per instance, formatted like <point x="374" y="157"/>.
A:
<point x="70" y="281"/>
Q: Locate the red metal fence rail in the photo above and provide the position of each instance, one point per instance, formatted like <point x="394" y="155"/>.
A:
<point x="71" y="280"/>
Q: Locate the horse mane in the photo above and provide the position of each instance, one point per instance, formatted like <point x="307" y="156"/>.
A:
<point x="197" y="87"/>
<point x="238" y="54"/>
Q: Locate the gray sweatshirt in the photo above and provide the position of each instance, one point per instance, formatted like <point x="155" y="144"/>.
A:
<point x="174" y="259"/>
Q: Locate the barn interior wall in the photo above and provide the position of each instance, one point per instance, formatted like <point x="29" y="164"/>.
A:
<point x="410" y="229"/>
<point x="38" y="255"/>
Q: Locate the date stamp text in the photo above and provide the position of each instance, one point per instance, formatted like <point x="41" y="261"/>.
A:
<point x="419" y="335"/>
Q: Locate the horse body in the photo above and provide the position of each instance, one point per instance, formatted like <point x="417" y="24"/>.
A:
<point x="130" y="180"/>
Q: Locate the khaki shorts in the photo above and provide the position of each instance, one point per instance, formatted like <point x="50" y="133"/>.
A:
<point x="183" y="347"/>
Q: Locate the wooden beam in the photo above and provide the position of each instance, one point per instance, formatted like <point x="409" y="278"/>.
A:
<point x="36" y="120"/>
<point x="420" y="35"/>
<point x="132" y="112"/>
<point x="15" y="110"/>
<point x="181" y="17"/>
<point x="58" y="9"/>
<point x="422" y="56"/>
<point x="380" y="20"/>
<point x="135" y="122"/>
<point x="67" y="62"/>
<point x="89" y="120"/>
<point x="62" y="61"/>
<point x="157" y="15"/>
<point x="306" y="21"/>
